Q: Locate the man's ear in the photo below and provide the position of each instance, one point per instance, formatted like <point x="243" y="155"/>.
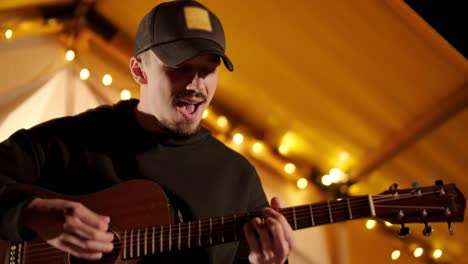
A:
<point x="136" y="68"/>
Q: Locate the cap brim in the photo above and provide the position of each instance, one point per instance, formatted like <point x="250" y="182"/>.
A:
<point x="177" y="52"/>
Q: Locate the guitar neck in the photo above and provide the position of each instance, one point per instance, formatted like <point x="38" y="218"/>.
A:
<point x="213" y="231"/>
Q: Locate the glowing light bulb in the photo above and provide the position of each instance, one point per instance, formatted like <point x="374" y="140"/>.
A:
<point x="289" y="168"/>
<point x="8" y="34"/>
<point x="302" y="183"/>
<point x="370" y="224"/>
<point x="418" y="252"/>
<point x="335" y="174"/>
<point x="326" y="180"/>
<point x="70" y="55"/>
<point x="107" y="79"/>
<point x="205" y="114"/>
<point x="283" y="149"/>
<point x="257" y="147"/>
<point x="222" y="122"/>
<point x="437" y="253"/>
<point x="238" y="138"/>
<point x="125" y="95"/>
<point x="396" y="254"/>
<point x="84" y="74"/>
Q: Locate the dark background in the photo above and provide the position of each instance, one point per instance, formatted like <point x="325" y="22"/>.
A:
<point x="447" y="17"/>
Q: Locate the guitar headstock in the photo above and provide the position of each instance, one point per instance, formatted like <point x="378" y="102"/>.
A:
<point x="437" y="203"/>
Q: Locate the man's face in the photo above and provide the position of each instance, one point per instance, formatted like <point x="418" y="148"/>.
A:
<point x="178" y="96"/>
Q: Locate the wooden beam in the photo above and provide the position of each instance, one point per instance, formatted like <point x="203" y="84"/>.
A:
<point x="416" y="129"/>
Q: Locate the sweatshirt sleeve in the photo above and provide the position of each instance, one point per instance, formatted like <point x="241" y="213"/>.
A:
<point x="18" y="164"/>
<point x="257" y="201"/>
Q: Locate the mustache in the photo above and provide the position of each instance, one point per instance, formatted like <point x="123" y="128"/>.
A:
<point x="190" y="94"/>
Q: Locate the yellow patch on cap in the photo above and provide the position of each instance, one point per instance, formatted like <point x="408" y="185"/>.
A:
<point x="197" y="18"/>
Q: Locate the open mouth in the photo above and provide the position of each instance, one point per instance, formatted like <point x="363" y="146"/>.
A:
<point x="189" y="110"/>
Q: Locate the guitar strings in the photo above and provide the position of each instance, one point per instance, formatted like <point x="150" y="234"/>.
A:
<point x="318" y="212"/>
<point x="301" y="214"/>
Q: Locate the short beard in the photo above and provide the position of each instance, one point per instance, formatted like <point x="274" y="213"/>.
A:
<point x="185" y="128"/>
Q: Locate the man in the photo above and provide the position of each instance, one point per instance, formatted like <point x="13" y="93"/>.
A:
<point x="178" y="48"/>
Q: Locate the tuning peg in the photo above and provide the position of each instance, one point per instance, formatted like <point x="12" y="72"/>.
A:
<point x="404" y="231"/>
<point x="450" y="228"/>
<point x="427" y="231"/>
<point x="393" y="187"/>
<point x="439" y="183"/>
<point x="416" y="188"/>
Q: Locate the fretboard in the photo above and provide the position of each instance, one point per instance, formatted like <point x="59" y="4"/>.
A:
<point x="202" y="233"/>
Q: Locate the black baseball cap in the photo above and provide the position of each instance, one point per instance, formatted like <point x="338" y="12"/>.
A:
<point x="177" y="31"/>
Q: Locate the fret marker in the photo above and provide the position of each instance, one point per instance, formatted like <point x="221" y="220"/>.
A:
<point x="294" y="217"/>
<point x="330" y="212"/>
<point x="349" y="209"/>
<point x="311" y="215"/>
<point x="372" y="208"/>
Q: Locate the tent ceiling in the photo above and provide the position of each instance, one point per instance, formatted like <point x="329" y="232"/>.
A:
<point x="370" y="78"/>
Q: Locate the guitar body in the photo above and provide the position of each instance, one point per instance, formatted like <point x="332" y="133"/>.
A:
<point x="130" y="205"/>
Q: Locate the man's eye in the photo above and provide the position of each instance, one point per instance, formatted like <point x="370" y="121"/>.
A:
<point x="207" y="71"/>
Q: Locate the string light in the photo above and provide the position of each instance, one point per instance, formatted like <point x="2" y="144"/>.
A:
<point x="437" y="253"/>
<point x="107" y="79"/>
<point x="335" y="175"/>
<point x="302" y="183"/>
<point x="257" y="147"/>
<point x="418" y="252"/>
<point x="125" y="95"/>
<point x="52" y="22"/>
<point x="388" y="224"/>
<point x="370" y="224"/>
<point x="343" y="156"/>
<point x="205" y="114"/>
<point x="70" y="55"/>
<point x="283" y="149"/>
<point x="326" y="180"/>
<point x="8" y="34"/>
<point x="395" y="254"/>
<point x="238" y="138"/>
<point x="289" y="168"/>
<point x="84" y="74"/>
<point x="222" y="122"/>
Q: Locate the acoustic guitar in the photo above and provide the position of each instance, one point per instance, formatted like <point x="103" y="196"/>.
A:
<point x="144" y="223"/>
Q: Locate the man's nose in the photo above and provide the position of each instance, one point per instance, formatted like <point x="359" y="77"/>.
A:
<point x="196" y="83"/>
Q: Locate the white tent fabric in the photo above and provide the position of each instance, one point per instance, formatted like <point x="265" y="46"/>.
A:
<point x="64" y="94"/>
<point x="38" y="85"/>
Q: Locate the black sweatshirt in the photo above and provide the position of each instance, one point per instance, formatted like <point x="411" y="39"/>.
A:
<point x="104" y="146"/>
